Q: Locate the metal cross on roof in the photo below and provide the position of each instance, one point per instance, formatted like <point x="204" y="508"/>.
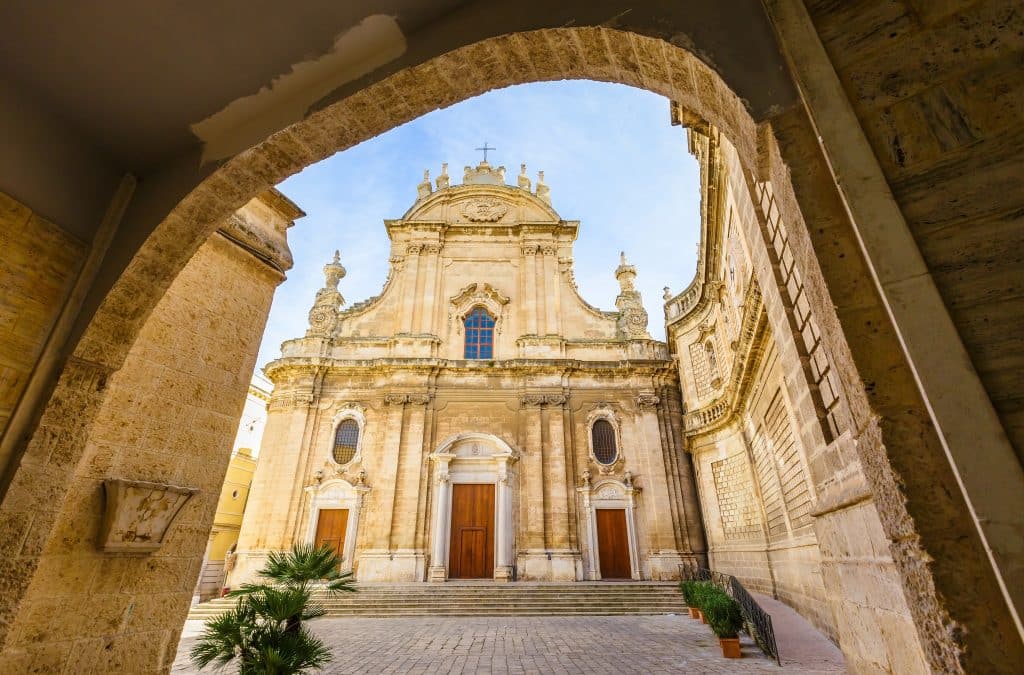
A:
<point x="485" y="149"/>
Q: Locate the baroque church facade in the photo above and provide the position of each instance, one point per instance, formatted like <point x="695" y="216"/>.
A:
<point x="478" y="418"/>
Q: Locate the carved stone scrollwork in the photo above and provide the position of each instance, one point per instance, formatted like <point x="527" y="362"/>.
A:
<point x="548" y="250"/>
<point x="414" y="249"/>
<point x="647" y="401"/>
<point x="529" y="250"/>
<point x="434" y="249"/>
<point x="402" y="399"/>
<point x="485" y="210"/>
<point x="139" y="513"/>
<point x="531" y="400"/>
<point x="541" y="400"/>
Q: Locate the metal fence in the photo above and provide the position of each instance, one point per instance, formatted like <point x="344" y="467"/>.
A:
<point x="757" y="622"/>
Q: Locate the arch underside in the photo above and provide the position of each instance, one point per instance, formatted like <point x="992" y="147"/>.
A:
<point x="601" y="54"/>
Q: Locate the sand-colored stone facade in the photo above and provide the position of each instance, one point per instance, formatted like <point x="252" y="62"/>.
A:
<point x="520" y="418"/>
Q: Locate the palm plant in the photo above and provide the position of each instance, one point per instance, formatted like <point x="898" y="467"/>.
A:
<point x="264" y="632"/>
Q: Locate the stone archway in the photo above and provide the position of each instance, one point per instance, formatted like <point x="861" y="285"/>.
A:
<point x="909" y="524"/>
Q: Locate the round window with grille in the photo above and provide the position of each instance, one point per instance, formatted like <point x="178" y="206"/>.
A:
<point x="346" y="440"/>
<point x="603" y="436"/>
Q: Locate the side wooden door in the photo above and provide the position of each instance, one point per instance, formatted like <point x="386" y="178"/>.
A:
<point x="330" y="529"/>
<point x="613" y="544"/>
<point x="471" y="553"/>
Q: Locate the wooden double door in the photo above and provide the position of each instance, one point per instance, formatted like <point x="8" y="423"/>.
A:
<point x="613" y="544"/>
<point x="331" y="526"/>
<point x="471" y="550"/>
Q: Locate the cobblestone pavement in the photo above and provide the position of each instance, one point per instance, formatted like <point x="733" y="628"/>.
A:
<point x="555" y="644"/>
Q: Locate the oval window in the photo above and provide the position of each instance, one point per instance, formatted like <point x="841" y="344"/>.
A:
<point x="603" y="437"/>
<point x="346" y="440"/>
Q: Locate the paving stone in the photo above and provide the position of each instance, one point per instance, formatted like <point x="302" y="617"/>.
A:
<point x="553" y="644"/>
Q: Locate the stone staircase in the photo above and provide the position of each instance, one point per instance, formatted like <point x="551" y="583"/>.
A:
<point x="490" y="599"/>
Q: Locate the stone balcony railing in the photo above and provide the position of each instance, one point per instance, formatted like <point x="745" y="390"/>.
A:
<point x="682" y="303"/>
<point x="709" y="414"/>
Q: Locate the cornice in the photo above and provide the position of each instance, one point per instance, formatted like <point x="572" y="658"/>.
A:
<point x="752" y="339"/>
<point x="702" y="290"/>
<point x="289" y="366"/>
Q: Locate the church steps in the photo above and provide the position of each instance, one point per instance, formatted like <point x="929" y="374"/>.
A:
<point x="481" y="599"/>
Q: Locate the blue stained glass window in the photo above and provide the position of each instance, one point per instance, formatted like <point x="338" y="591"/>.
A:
<point x="479" y="326"/>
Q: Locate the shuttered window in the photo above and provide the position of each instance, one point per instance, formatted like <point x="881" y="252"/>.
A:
<point x="346" y="440"/>
<point x="603" y="437"/>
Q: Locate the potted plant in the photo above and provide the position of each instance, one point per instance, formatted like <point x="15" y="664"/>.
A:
<point x="705" y="590"/>
<point x="690" y="590"/>
<point x="726" y="620"/>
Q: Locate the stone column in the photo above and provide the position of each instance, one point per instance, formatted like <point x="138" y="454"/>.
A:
<point x="375" y="561"/>
<point x="352" y="536"/>
<point x="406" y="560"/>
<point x="530" y="288"/>
<point x="411" y="298"/>
<point x="430" y="290"/>
<point x="531" y="492"/>
<point x="439" y="548"/>
<point x="634" y="559"/>
<point x="504" y="534"/>
<point x="563" y="558"/>
<point x="590" y="534"/>
<point x="550" y="291"/>
<point x="656" y="494"/>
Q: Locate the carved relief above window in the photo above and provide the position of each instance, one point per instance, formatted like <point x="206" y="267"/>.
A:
<point x="477" y="295"/>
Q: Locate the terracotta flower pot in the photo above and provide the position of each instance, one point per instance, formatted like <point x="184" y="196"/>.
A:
<point x="694" y="612"/>
<point x="730" y="647"/>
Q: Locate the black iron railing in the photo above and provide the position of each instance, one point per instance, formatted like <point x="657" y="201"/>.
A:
<point x="757" y="622"/>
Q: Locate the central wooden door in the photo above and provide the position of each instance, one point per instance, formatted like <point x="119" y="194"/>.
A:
<point x="613" y="544"/>
<point x="330" y="529"/>
<point x="471" y="555"/>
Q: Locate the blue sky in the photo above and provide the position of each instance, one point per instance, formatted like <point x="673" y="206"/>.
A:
<point x="608" y="152"/>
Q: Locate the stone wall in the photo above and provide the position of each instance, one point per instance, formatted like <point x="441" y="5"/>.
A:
<point x="168" y="415"/>
<point x="771" y="436"/>
<point x="38" y="266"/>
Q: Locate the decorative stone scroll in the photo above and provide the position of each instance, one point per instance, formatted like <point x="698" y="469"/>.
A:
<point x="402" y="399"/>
<point x="484" y="210"/>
<point x="139" y="513"/>
<point x="647" y="401"/>
<point x="541" y="400"/>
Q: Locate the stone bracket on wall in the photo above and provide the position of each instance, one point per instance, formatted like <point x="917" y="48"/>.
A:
<point x="139" y="514"/>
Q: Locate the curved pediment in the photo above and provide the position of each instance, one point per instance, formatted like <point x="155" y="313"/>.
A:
<point x="482" y="205"/>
